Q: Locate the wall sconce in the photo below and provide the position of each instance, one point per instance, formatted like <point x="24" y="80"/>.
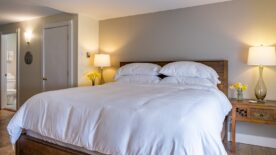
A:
<point x="28" y="37"/>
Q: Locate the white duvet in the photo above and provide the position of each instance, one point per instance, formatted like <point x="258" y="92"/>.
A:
<point x="129" y="119"/>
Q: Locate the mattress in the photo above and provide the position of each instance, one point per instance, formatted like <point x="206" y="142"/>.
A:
<point x="128" y="119"/>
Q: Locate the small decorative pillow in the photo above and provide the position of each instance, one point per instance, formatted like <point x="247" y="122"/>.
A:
<point x="190" y="69"/>
<point x="187" y="81"/>
<point x="139" y="79"/>
<point x="138" y="69"/>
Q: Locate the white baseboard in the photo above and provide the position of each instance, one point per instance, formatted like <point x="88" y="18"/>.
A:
<point x="254" y="140"/>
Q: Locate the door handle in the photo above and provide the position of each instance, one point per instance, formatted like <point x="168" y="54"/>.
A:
<point x="5" y="75"/>
<point x="44" y="79"/>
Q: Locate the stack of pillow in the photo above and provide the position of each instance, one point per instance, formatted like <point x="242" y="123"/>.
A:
<point x="189" y="73"/>
<point x="146" y="73"/>
<point x="180" y="73"/>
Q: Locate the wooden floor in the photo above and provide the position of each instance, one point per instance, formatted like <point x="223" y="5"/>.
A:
<point x="241" y="149"/>
<point x="5" y="146"/>
<point x="245" y="149"/>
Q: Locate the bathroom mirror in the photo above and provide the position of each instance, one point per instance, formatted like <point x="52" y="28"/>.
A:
<point x="28" y="58"/>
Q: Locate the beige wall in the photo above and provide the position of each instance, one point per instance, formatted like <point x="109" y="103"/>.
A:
<point x="217" y="31"/>
<point x="30" y="75"/>
<point x="88" y="41"/>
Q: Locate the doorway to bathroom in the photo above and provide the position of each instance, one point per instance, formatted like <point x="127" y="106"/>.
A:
<point x="9" y="47"/>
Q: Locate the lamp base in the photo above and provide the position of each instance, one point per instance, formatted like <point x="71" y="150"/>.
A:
<point x="102" y="79"/>
<point x="260" y="89"/>
<point x="261" y="101"/>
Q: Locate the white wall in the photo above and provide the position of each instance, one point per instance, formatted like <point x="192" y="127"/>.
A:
<point x="88" y="41"/>
<point x="216" y="31"/>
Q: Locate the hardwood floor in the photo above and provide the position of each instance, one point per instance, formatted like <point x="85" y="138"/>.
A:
<point x="5" y="146"/>
<point x="241" y="149"/>
<point x="245" y="149"/>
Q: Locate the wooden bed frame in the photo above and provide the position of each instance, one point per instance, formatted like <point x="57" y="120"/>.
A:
<point x="27" y="145"/>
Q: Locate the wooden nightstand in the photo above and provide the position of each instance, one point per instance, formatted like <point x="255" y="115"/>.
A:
<point x="264" y="113"/>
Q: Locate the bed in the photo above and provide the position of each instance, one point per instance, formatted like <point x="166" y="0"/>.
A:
<point x="33" y="142"/>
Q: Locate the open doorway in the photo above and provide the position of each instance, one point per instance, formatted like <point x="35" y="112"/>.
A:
<point x="9" y="47"/>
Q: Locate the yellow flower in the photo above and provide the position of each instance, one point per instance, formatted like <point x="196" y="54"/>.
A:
<point x="238" y="85"/>
<point x="92" y="75"/>
<point x="244" y="87"/>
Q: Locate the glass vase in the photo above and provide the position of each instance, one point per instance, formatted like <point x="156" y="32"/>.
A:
<point x="260" y="90"/>
<point x="93" y="82"/>
<point x="239" y="94"/>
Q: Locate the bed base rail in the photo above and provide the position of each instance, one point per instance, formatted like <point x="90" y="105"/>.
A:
<point x="27" y="145"/>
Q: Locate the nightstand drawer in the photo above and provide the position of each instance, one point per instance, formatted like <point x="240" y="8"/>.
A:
<point x="262" y="114"/>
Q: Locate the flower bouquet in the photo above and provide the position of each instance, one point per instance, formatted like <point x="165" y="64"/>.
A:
<point x="92" y="76"/>
<point x="239" y="87"/>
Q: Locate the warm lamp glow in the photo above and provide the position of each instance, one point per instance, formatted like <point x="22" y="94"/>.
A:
<point x="102" y="60"/>
<point x="28" y="36"/>
<point x="262" y="55"/>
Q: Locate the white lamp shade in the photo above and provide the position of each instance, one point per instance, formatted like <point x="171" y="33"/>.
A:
<point x="262" y="55"/>
<point x="102" y="60"/>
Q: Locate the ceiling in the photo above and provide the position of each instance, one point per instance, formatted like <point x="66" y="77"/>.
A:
<point x="17" y="10"/>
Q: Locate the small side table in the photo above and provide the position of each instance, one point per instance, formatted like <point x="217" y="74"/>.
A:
<point x="245" y="111"/>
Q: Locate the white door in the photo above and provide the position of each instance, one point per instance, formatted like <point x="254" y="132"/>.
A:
<point x="56" y="57"/>
<point x="3" y="73"/>
<point x="9" y="71"/>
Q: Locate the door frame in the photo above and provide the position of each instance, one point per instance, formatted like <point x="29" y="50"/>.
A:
<point x="17" y="32"/>
<point x="70" y="52"/>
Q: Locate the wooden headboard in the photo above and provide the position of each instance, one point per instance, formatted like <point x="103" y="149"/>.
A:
<point x="220" y="66"/>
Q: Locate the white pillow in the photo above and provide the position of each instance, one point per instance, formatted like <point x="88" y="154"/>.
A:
<point x="190" y="69"/>
<point x="139" y="79"/>
<point x="138" y="69"/>
<point x="187" y="81"/>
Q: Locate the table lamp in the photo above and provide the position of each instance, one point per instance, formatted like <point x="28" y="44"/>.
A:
<point x="261" y="56"/>
<point x="101" y="61"/>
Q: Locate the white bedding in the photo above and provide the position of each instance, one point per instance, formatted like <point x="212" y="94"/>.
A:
<point x="129" y="119"/>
